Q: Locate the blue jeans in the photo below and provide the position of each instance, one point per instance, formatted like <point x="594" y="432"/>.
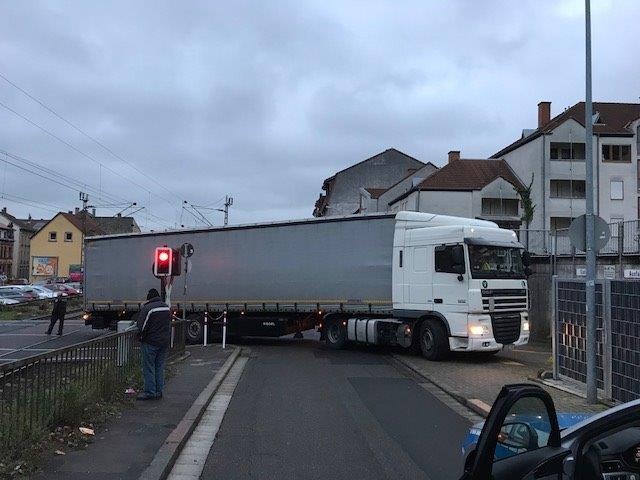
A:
<point x="153" y="359"/>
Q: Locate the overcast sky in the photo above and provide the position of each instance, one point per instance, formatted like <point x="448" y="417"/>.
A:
<point x="265" y="99"/>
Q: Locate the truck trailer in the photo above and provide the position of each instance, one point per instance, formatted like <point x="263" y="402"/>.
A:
<point x="430" y="282"/>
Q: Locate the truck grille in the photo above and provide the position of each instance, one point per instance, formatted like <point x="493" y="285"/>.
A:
<point x="506" y="328"/>
<point x="504" y="300"/>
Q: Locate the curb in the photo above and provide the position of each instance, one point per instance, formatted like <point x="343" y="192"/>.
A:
<point x="474" y="404"/>
<point x="164" y="459"/>
<point x="567" y="389"/>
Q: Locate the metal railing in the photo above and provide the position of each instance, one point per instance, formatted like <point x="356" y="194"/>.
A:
<point x="624" y="240"/>
<point x="44" y="390"/>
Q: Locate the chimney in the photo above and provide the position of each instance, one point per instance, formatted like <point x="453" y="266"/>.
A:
<point x="4" y="209"/>
<point x="93" y="212"/>
<point x="77" y="210"/>
<point x="544" y="113"/>
<point x="454" y="155"/>
<point x="119" y="215"/>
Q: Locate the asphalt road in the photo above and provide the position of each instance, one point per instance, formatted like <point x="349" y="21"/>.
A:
<point x="24" y="338"/>
<point x="301" y="411"/>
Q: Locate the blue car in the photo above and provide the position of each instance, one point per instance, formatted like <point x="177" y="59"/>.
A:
<point x="524" y="438"/>
<point x="505" y="449"/>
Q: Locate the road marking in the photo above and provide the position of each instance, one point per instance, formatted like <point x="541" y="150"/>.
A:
<point x="511" y="362"/>
<point x="191" y="461"/>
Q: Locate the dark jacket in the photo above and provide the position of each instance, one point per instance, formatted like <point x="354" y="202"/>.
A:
<point x="154" y="323"/>
<point x="59" y="308"/>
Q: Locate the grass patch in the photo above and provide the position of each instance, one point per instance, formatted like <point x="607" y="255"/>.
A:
<point x="27" y="448"/>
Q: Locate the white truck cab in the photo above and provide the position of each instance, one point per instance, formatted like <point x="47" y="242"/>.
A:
<point x="466" y="277"/>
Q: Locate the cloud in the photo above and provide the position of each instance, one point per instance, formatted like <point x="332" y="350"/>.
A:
<point x="263" y="100"/>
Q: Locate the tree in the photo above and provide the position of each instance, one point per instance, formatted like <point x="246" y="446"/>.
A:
<point x="528" y="207"/>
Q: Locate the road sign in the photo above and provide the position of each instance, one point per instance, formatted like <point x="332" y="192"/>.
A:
<point x="577" y="233"/>
<point x="186" y="250"/>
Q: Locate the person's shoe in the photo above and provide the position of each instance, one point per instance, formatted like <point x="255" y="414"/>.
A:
<point x="59" y="334"/>
<point x="158" y="397"/>
<point x="144" y="396"/>
<point x="48" y="332"/>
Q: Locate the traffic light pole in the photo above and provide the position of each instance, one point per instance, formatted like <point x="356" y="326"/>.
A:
<point x="590" y="288"/>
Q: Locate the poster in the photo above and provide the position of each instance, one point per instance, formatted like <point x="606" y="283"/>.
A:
<point x="44" y="266"/>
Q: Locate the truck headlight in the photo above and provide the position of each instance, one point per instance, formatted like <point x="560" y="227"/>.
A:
<point x="525" y="325"/>
<point x="478" y="329"/>
<point x="86" y="316"/>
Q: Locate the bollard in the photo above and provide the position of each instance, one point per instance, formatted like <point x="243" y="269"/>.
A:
<point x="206" y="327"/>
<point x="224" y="329"/>
<point x="173" y="331"/>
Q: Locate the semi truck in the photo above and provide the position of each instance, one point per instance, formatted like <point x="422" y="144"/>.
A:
<point x="429" y="282"/>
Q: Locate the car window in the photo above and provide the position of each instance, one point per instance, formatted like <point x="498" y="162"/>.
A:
<point x="526" y="427"/>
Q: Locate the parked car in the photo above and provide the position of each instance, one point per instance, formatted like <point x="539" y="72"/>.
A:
<point x="19" y="294"/>
<point x="61" y="288"/>
<point x="9" y="297"/>
<point x="522" y="438"/>
<point x="76" y="286"/>
<point x="39" y="291"/>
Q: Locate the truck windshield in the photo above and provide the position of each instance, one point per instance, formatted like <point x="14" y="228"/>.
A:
<point x="495" y="262"/>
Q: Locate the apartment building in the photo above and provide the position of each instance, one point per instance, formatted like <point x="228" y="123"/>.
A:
<point x="553" y="156"/>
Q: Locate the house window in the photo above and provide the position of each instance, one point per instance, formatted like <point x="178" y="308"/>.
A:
<point x="567" y="189"/>
<point x="617" y="190"/>
<point x="616" y="153"/>
<point x="561" y="225"/>
<point x="53" y="236"/>
<point x="567" y="151"/>
<point x="500" y="206"/>
<point x="68" y="236"/>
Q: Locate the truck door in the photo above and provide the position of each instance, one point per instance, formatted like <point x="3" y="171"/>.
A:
<point x="450" y="287"/>
<point x="419" y="282"/>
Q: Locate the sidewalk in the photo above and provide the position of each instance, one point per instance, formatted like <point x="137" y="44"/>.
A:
<point x="476" y="381"/>
<point x="127" y="444"/>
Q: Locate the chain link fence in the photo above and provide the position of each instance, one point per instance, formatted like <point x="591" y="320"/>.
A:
<point x="618" y="335"/>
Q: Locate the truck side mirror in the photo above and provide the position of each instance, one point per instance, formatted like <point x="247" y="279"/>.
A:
<point x="526" y="258"/>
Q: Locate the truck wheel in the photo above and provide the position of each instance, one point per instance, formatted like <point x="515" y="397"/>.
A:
<point x="433" y="340"/>
<point x="195" y="331"/>
<point x="335" y="334"/>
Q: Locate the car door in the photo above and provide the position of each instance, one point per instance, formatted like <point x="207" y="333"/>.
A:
<point x="520" y="438"/>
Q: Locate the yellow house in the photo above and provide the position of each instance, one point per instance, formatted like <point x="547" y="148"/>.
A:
<point x="56" y="249"/>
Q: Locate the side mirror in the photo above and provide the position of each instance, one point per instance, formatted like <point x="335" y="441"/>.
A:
<point x="468" y="462"/>
<point x="526" y="258"/>
<point x="518" y="435"/>
<point x="528" y="271"/>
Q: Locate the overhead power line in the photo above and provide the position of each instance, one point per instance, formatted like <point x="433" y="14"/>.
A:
<point x="86" y="155"/>
<point x="93" y="139"/>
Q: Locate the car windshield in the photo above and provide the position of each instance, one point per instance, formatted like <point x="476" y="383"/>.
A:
<point x="488" y="261"/>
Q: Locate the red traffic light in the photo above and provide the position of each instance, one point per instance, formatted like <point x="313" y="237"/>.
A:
<point x="163" y="263"/>
<point x="166" y="262"/>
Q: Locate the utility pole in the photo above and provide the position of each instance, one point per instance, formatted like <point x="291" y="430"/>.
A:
<point x="590" y="290"/>
<point x="228" y="201"/>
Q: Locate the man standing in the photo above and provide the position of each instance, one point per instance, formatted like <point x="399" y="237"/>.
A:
<point x="58" y="313"/>
<point x="154" y="330"/>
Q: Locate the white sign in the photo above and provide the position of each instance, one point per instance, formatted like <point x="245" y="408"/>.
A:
<point x="581" y="272"/>
<point x="610" y="271"/>
<point x="631" y="273"/>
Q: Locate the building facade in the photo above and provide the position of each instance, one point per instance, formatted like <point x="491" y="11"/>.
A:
<point x="470" y="188"/>
<point x="22" y="232"/>
<point x="343" y="190"/>
<point x="552" y="157"/>
<point x="57" y="247"/>
<point x="6" y="253"/>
